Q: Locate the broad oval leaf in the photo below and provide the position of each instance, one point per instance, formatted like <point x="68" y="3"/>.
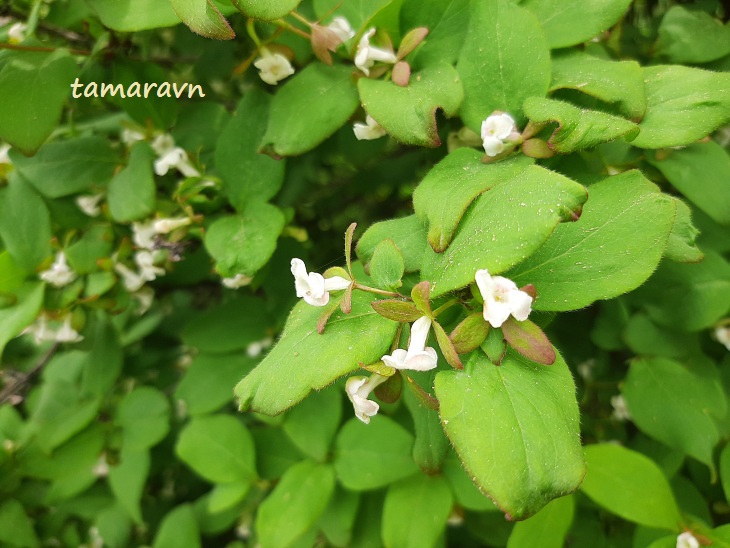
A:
<point x="134" y="15"/>
<point x="675" y="404"/>
<point x="630" y="485"/>
<point x="408" y="113"/>
<point x="504" y="226"/>
<point x="268" y="10"/>
<point x="132" y="191"/>
<point x="504" y="60"/>
<point x="602" y="255"/>
<point x="683" y="105"/>
<point x="570" y="22"/>
<point x="415" y="511"/>
<point x="516" y="429"/>
<point x="303" y="360"/>
<point x="387" y="265"/>
<point x="446" y="191"/>
<point x="202" y="17"/>
<point x="445" y="21"/>
<point x="408" y="233"/>
<point x="308" y="108"/>
<point x="546" y="529"/>
<point x="578" y="128"/>
<point x="692" y="36"/>
<point x="13" y="319"/>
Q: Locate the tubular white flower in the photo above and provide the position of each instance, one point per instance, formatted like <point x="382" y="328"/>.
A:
<point x="369" y="130"/>
<point x="687" y="540"/>
<point x="60" y="273"/>
<point x="130" y="136"/>
<point x="273" y="67"/>
<point x="42" y="332"/>
<point x="16" y="33"/>
<point x="313" y="287"/>
<point x="366" y="55"/>
<point x="147" y="269"/>
<point x="165" y="226"/>
<point x="89" y="204"/>
<point x="342" y="28"/>
<point x="175" y="158"/>
<point x="620" y="410"/>
<point x="143" y="234"/>
<point x="497" y="130"/>
<point x="131" y="280"/>
<point x="358" y="389"/>
<point x="722" y="333"/>
<point x="239" y="280"/>
<point x="502" y="298"/>
<point x="417" y="357"/>
<point x="66" y="333"/>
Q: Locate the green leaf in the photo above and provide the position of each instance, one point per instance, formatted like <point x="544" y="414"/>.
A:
<point x="308" y="108"/>
<point x="34" y="87"/>
<point x="700" y="171"/>
<point x="228" y="326"/>
<point x="132" y="191"/>
<point x="446" y="191"/>
<point x="504" y="226"/>
<point x="371" y="456"/>
<point x="225" y="496"/>
<point x="16" y="528"/>
<point x="387" y="265"/>
<point x="445" y="21"/>
<point x="529" y="340"/>
<point x="268" y="11"/>
<point x="570" y="22"/>
<point x="68" y="167"/>
<point x="206" y="386"/>
<point x="202" y="17"/>
<point x="312" y="424"/>
<point x="179" y="529"/>
<point x="415" y="512"/>
<point x="547" y="529"/>
<point x="128" y="478"/>
<point x="674" y="404"/>
<point x="408" y="113"/>
<point x="619" y="82"/>
<point x="338" y="519"/>
<point x="689" y="296"/>
<point x="244" y="243"/>
<point x="630" y="485"/>
<point x="275" y="453"/>
<point x="96" y="243"/>
<point x="396" y="310"/>
<point x="681" y="246"/>
<point x="11" y="275"/>
<point x="683" y="105"/>
<point x="219" y="448"/>
<point x="515" y="428"/>
<point x="431" y="445"/>
<point x="134" y="15"/>
<point x="466" y="494"/>
<point x="692" y="36"/>
<point x="357" y="12"/>
<point x="295" y="504"/>
<point x="13" y="319"/>
<point x="237" y="156"/>
<point x="307" y="360"/>
<point x="602" y="255"/>
<point x="577" y="128"/>
<point x="505" y="59"/>
<point x="103" y="363"/>
<point x="144" y="415"/>
<point x="725" y="470"/>
<point x="470" y="333"/>
<point x="408" y="234"/>
<point x="25" y="224"/>
<point x="646" y="338"/>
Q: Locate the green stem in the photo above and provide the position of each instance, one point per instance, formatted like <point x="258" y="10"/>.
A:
<point x="379" y="291"/>
<point x="445" y="306"/>
<point x="251" y="30"/>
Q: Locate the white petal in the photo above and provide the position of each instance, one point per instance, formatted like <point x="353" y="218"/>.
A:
<point x="369" y="130"/>
<point x="492" y="146"/>
<point x="495" y="312"/>
<point x="316" y="285"/>
<point x="336" y="283"/>
<point x="687" y="540"/>
<point x="165" y="226"/>
<point x="484" y="283"/>
<point x="273" y="67"/>
<point x="419" y="334"/>
<point x="520" y="303"/>
<point x="143" y="234"/>
<point x="422" y="361"/>
<point x="342" y="28"/>
<point x="396" y="360"/>
<point x="723" y="335"/>
<point x="382" y="55"/>
<point x="317" y="301"/>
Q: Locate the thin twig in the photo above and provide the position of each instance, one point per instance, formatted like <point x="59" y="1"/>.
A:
<point x="13" y="388"/>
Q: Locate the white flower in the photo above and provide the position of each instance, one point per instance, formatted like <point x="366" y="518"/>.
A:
<point x="687" y="540"/>
<point x="67" y="333"/>
<point x="722" y="332"/>
<point x="60" y="273"/>
<point x="239" y="280"/>
<point x="502" y="298"/>
<point x="131" y="280"/>
<point x="165" y="226"/>
<point x="101" y="468"/>
<point x="273" y="67"/>
<point x="254" y="349"/>
<point x="358" y="389"/>
<point x="143" y="234"/>
<point x="417" y="357"/>
<point x="366" y="54"/>
<point x="498" y="129"/>
<point x="130" y="136"/>
<point x="369" y="130"/>
<point x="175" y="158"/>
<point x="162" y="144"/>
<point x="90" y="204"/>
<point x="341" y="27"/>
<point x="16" y="33"/>
<point x="147" y="269"/>
<point x="620" y="410"/>
<point x="4" y="156"/>
<point x="313" y="287"/>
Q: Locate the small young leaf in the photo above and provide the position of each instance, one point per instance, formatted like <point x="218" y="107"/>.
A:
<point x="447" y="347"/>
<point x="408" y="233"/>
<point x="396" y="310"/>
<point x="391" y="390"/>
<point x="470" y="333"/>
<point x="421" y="395"/>
<point x="387" y="265"/>
<point x="401" y="74"/>
<point x="421" y="295"/>
<point x="346" y="302"/>
<point x="202" y="17"/>
<point x="494" y="346"/>
<point x="529" y="340"/>
<point x="348" y="246"/>
<point x="411" y="41"/>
